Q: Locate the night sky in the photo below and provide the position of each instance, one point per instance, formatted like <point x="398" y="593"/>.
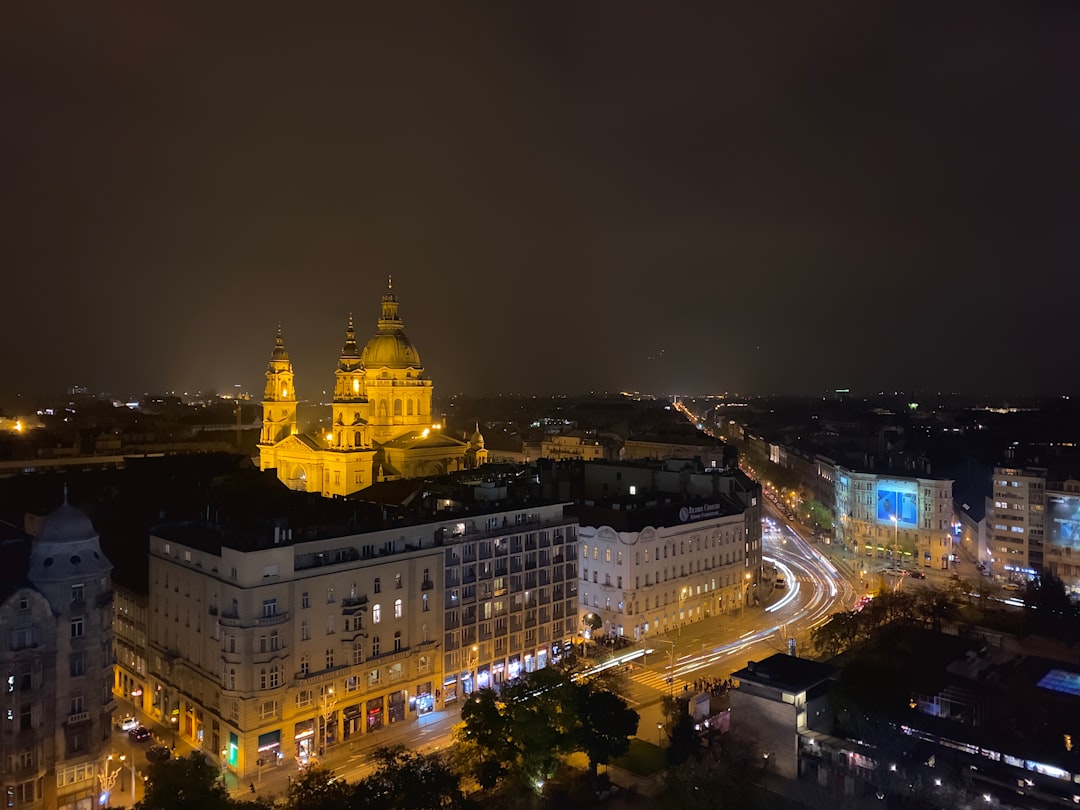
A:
<point x="570" y="197"/>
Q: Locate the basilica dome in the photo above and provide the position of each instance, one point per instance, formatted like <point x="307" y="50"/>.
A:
<point x="390" y="348"/>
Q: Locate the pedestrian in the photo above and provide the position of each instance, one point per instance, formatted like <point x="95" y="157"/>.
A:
<point x="251" y="785"/>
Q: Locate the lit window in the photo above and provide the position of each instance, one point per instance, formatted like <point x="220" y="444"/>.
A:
<point x="376" y="614"/>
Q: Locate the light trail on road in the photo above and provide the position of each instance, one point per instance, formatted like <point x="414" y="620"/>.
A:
<point x="816" y="590"/>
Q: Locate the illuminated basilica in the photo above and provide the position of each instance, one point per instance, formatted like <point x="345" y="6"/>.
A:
<point x="381" y="424"/>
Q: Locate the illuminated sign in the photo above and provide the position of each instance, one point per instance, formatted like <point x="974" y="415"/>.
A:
<point x="1064" y="523"/>
<point x="898" y="500"/>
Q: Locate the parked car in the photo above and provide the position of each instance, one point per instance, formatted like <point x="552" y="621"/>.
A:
<point x="917" y="575"/>
<point x="127" y="722"/>
<point x="780" y="582"/>
<point x="140" y="734"/>
<point x="158" y="753"/>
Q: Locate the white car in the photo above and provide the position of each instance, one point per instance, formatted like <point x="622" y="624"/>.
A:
<point x="127" y="723"/>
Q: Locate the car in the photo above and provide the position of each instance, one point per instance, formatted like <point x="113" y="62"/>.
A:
<point x="780" y="582"/>
<point x="1011" y="586"/>
<point x="127" y="722"/>
<point x="140" y="734"/>
<point x="158" y="753"/>
<point x="917" y="574"/>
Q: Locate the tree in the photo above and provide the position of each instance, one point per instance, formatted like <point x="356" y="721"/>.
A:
<point x="190" y="783"/>
<point x="408" y="780"/>
<point x="605" y="724"/>
<point x="316" y="789"/>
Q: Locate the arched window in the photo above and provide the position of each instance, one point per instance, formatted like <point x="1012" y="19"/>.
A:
<point x="275" y="676"/>
<point x="376" y="614"/>
<point x="409" y="407"/>
<point x="397" y="608"/>
<point x="397" y="407"/>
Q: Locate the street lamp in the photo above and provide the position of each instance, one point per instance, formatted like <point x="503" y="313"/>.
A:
<point x="107" y="778"/>
<point x="896" y="539"/>
<point x="659" y="729"/>
<point x="174" y="721"/>
<point x="682" y="597"/>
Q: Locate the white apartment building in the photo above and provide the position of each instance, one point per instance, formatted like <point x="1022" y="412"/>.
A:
<point x="666" y="543"/>
<point x="649" y="581"/>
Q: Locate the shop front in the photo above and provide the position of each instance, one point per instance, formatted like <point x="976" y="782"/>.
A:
<point x="396" y="706"/>
<point x="304" y="737"/>
<point x="514" y="667"/>
<point x="450" y="689"/>
<point x="425" y="701"/>
<point x="269" y="748"/>
<point x="352" y="720"/>
<point x="375" y="718"/>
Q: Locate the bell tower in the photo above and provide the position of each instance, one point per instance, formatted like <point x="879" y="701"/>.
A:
<point x="279" y="398"/>
<point x="350" y="406"/>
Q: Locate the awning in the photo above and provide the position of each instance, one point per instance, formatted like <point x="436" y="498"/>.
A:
<point x="352" y="711"/>
<point x="271" y="739"/>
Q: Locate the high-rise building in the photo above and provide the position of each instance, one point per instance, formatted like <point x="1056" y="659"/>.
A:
<point x="1018" y="520"/>
<point x="57" y="662"/>
<point x="381" y="424"/>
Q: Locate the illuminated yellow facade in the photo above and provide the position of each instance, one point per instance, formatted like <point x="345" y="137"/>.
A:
<point x="381" y="422"/>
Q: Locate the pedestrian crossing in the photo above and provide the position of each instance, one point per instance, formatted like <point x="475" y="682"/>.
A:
<point x="659" y="681"/>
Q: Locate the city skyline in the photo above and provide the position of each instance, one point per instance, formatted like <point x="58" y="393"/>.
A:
<point x="568" y="199"/>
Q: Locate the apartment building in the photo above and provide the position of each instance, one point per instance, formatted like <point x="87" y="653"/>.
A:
<point x="58" y="658"/>
<point x="269" y="646"/>
<point x="909" y="518"/>
<point x="663" y="544"/>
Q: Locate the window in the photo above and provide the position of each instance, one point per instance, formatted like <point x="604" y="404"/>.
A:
<point x="274" y="640"/>
<point x="352" y="684"/>
<point x="24" y="602"/>
<point x="77" y="704"/>
<point x="374" y="646"/>
<point x="585" y="551"/>
<point x="397" y="641"/>
<point x="305" y="631"/>
<point x="78" y="664"/>
<point x="329" y="657"/>
<point x="607" y="555"/>
<point x="397" y="608"/>
<point x="329" y="595"/>
<point x="275" y="676"/>
<point x="303" y="698"/>
<point x="397" y="580"/>
<point x="378" y="585"/>
<point x="262" y="642"/>
<point x="77" y="627"/>
<point x="77" y="594"/>
<point x="358" y="652"/>
<point x="305" y="600"/>
<point x="329" y="625"/>
<point x="424" y="603"/>
<point x="232" y="678"/>
<point x="305" y="664"/>
<point x="267" y="709"/>
<point x="269" y="607"/>
<point x="376" y="614"/>
<point x="373" y="677"/>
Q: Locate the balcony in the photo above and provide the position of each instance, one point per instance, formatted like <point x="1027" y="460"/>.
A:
<point x="77" y="717"/>
<point x="427" y="585"/>
<point x="103" y="599"/>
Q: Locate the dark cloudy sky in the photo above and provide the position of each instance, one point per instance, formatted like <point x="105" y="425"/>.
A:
<point x="569" y="196"/>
